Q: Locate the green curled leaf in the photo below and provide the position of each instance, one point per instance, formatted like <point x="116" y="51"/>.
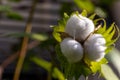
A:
<point x="56" y="73"/>
<point x="60" y="28"/>
<point x="35" y="36"/>
<point x="103" y="28"/>
<point x="96" y="66"/>
<point x="110" y="33"/>
<point x="92" y="16"/>
<point x="85" y="4"/>
<point x="84" y="13"/>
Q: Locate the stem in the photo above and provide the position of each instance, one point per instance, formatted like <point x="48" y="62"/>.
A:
<point x="53" y="64"/>
<point x="1" y="72"/>
<point x="49" y="77"/>
<point x="24" y="43"/>
<point x="86" y="78"/>
<point x="11" y="58"/>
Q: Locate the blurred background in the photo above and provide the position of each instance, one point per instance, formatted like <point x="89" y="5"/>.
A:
<point x="14" y="15"/>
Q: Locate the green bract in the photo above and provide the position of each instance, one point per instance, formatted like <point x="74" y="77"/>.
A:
<point x="84" y="66"/>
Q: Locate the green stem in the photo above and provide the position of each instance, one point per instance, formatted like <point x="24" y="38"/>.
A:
<point x="25" y="43"/>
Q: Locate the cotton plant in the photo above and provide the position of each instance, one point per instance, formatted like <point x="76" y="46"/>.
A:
<point x="83" y="43"/>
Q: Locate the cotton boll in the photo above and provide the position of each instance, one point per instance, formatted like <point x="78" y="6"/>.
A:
<point x="72" y="50"/>
<point x="79" y="27"/>
<point x="94" y="47"/>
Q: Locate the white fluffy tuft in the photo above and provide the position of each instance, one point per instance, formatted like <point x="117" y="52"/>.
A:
<point x="72" y="50"/>
<point x="94" y="47"/>
<point x="79" y="27"/>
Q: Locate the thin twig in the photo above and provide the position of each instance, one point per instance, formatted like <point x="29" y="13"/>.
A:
<point x="25" y="43"/>
<point x="12" y="57"/>
<point x="1" y="72"/>
<point x="86" y="78"/>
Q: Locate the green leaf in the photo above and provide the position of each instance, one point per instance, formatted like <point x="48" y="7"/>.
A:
<point x="56" y="73"/>
<point x="57" y="36"/>
<point x="70" y="70"/>
<point x="66" y="17"/>
<point x="114" y="32"/>
<point x="5" y="8"/>
<point x="14" y="15"/>
<point x="103" y="28"/>
<point x="39" y="37"/>
<point x="84" y="13"/>
<point x="108" y="73"/>
<point x="96" y="66"/>
<point x="81" y="69"/>
<point x="15" y="0"/>
<point x="85" y="4"/>
<point x="100" y="12"/>
<point x="109" y="30"/>
<point x="92" y="16"/>
<point x="108" y="34"/>
<point x="109" y="48"/>
<point x="44" y="64"/>
<point x="60" y="28"/>
<point x="16" y="35"/>
<point x="61" y="58"/>
<point x="66" y="67"/>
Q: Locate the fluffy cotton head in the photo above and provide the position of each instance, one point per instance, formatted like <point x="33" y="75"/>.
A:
<point x="79" y="27"/>
<point x="72" y="50"/>
<point x="94" y="47"/>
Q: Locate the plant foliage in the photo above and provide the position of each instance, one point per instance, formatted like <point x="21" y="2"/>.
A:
<point x="84" y="67"/>
<point x="56" y="73"/>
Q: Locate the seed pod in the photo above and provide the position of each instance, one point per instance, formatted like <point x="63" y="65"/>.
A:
<point x="79" y="27"/>
<point x="72" y="50"/>
<point x="94" y="47"/>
